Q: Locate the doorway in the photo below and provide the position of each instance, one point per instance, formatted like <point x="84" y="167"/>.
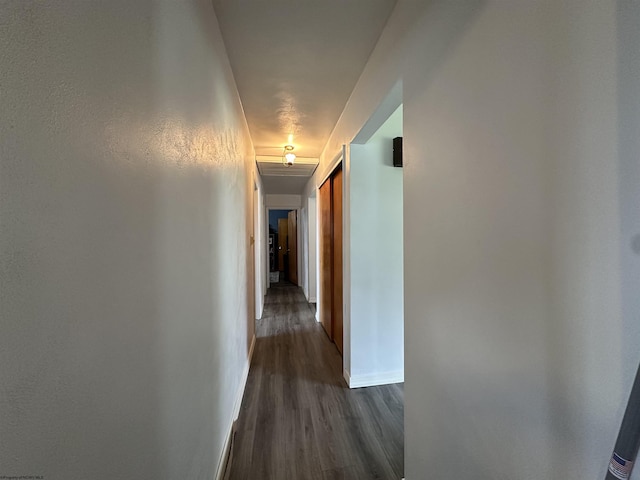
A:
<point x="283" y="246"/>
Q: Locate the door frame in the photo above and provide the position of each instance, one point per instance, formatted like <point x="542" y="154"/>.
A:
<point x="257" y="251"/>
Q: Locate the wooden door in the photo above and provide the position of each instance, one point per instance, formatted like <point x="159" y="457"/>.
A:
<point x="336" y="214"/>
<point x="283" y="226"/>
<point x="326" y="263"/>
<point x="292" y="250"/>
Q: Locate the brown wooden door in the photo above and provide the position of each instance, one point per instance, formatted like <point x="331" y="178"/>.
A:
<point x="292" y="234"/>
<point x="283" y="227"/>
<point x="336" y="210"/>
<point x="326" y="262"/>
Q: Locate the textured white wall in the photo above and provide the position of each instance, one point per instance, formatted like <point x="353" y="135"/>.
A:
<point x="303" y="255"/>
<point x="520" y="326"/>
<point x="308" y="259"/>
<point x="312" y="265"/>
<point x="285" y="202"/>
<point x="628" y="40"/>
<point x="259" y="247"/>
<point x="126" y="306"/>
<point x="376" y="261"/>
<point x="515" y="250"/>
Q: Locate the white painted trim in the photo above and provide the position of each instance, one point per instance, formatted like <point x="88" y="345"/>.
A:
<point x="317" y="290"/>
<point x="312" y="300"/>
<point x="332" y="166"/>
<point x="226" y="449"/>
<point x="299" y="246"/>
<point x="258" y="250"/>
<point x="346" y="377"/>
<point x="346" y="257"/>
<point x="374" y="379"/>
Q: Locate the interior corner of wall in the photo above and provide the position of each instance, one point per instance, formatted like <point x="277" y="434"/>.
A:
<point x="347" y="377"/>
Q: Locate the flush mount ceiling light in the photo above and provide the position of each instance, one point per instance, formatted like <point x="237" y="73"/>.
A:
<point x="288" y="157"/>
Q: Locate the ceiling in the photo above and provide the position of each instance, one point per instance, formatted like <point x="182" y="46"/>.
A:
<point x="279" y="178"/>
<point x="295" y="63"/>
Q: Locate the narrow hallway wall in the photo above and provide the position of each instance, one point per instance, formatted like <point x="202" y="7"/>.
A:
<point x="312" y="264"/>
<point x="521" y="330"/>
<point x="126" y="300"/>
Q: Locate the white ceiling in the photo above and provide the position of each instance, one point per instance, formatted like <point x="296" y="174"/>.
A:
<point x="279" y="178"/>
<point x="295" y="63"/>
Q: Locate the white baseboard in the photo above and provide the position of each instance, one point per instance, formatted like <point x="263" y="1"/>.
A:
<point x="373" y="379"/>
<point x="347" y="377"/>
<point x="226" y="449"/>
<point x="243" y="381"/>
<point x="312" y="300"/>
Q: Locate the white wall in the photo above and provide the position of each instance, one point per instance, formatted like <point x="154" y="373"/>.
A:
<point x="628" y="17"/>
<point x="520" y="331"/>
<point x="376" y="319"/>
<point x="260" y="247"/>
<point x="312" y="272"/>
<point x="308" y="258"/>
<point x="303" y="255"/>
<point x="126" y="303"/>
<point x="283" y="202"/>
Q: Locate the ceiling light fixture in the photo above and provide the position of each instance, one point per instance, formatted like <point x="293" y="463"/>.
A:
<point x="288" y="157"/>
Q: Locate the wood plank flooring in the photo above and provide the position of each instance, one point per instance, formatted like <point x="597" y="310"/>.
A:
<point x="299" y="420"/>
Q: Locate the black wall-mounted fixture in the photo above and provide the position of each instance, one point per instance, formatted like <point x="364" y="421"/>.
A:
<point x="626" y="449"/>
<point x="397" y="152"/>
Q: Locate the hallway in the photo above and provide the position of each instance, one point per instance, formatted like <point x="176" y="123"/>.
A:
<point x="298" y="419"/>
<point x="143" y="145"/>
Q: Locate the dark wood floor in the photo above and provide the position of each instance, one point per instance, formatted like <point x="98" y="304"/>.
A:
<point x="298" y="420"/>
